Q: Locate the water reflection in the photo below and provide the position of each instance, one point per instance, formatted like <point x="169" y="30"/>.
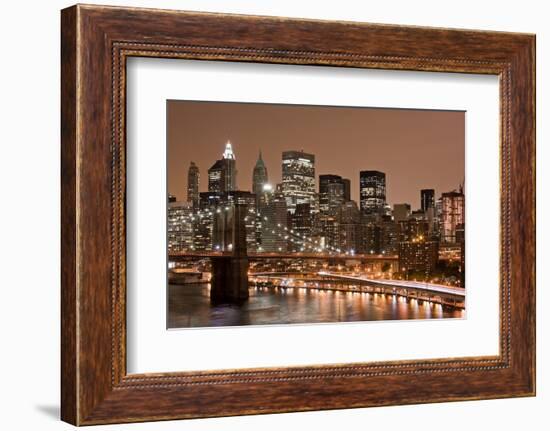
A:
<point x="189" y="306"/>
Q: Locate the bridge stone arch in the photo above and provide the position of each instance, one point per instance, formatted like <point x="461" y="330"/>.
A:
<point x="229" y="283"/>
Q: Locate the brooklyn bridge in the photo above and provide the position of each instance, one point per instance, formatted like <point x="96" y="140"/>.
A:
<point x="231" y="275"/>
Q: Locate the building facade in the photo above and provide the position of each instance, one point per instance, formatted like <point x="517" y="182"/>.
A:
<point x="272" y="221"/>
<point x="193" y="180"/>
<point x="298" y="179"/>
<point x="180" y="229"/>
<point x="418" y="257"/>
<point x="222" y="176"/>
<point x="301" y="223"/>
<point x="372" y="192"/>
<point x="350" y="227"/>
<point x="333" y="190"/>
<point x="452" y="215"/>
<point x="259" y="177"/>
<point x="427" y="199"/>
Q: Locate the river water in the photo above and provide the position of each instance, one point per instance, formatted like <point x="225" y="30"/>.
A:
<point x="189" y="307"/>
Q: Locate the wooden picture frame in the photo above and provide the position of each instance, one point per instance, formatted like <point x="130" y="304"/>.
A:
<point x="95" y="43"/>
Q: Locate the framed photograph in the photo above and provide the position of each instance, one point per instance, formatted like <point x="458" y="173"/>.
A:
<point x="322" y="214"/>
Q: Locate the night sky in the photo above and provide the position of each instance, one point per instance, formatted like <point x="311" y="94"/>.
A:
<point x="415" y="148"/>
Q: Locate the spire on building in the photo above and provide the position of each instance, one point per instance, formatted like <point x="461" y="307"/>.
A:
<point x="260" y="162"/>
<point x="228" y="153"/>
<point x="222" y="176"/>
<point x="259" y="176"/>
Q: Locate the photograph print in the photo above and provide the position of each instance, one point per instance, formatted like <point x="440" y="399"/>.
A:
<point x="301" y="214"/>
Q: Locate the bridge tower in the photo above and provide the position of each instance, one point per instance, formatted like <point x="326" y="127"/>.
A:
<point x="229" y="283"/>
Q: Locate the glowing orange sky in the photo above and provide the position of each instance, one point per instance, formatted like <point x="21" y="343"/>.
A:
<point x="415" y="148"/>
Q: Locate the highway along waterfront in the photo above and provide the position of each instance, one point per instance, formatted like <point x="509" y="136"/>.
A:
<point x="316" y="297"/>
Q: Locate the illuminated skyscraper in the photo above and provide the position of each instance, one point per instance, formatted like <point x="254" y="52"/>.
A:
<point x="335" y="192"/>
<point x="350" y="227"/>
<point x="347" y="189"/>
<point x="193" y="178"/>
<point x="331" y="196"/>
<point x="372" y="192"/>
<point x="259" y="178"/>
<point x="452" y="215"/>
<point x="427" y="199"/>
<point x="222" y="176"/>
<point x="272" y="220"/>
<point x="301" y="224"/>
<point x="298" y="185"/>
<point x="180" y="226"/>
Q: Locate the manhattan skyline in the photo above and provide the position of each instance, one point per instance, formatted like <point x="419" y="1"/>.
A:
<point x="415" y="148"/>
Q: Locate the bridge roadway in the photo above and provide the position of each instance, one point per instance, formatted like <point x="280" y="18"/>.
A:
<point x="405" y="284"/>
<point x="457" y="293"/>
<point x="175" y="256"/>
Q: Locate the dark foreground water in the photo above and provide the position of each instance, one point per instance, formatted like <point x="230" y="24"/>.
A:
<point x="189" y="306"/>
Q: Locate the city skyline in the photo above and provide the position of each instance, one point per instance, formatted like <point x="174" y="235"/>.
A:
<point x="186" y="118"/>
<point x="284" y="200"/>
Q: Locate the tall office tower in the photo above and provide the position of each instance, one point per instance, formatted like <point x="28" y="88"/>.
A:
<point x="437" y="217"/>
<point x="372" y="192"/>
<point x="427" y="199"/>
<point x="401" y="212"/>
<point x="259" y="177"/>
<point x="335" y="193"/>
<point x="391" y="234"/>
<point x="326" y="232"/>
<point x="452" y="215"/>
<point x="347" y="189"/>
<point x="298" y="183"/>
<point x="193" y="178"/>
<point x="180" y="226"/>
<point x="325" y="182"/>
<point x="301" y="224"/>
<point x="203" y="225"/>
<point x="272" y="220"/>
<point x="371" y="237"/>
<point x="222" y="176"/>
<point x="349" y="235"/>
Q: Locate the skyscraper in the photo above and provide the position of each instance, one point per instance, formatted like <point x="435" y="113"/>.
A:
<point x="326" y="231"/>
<point x="193" y="178"/>
<point x="325" y="182"/>
<point x="222" y="176"/>
<point x="347" y="189"/>
<point x="335" y="197"/>
<point x="273" y="220"/>
<point x="298" y="185"/>
<point x="259" y="177"/>
<point x="372" y="192"/>
<point x="452" y="215"/>
<point x="301" y="224"/>
<point x="180" y="230"/>
<point x="350" y="227"/>
<point x="427" y="199"/>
